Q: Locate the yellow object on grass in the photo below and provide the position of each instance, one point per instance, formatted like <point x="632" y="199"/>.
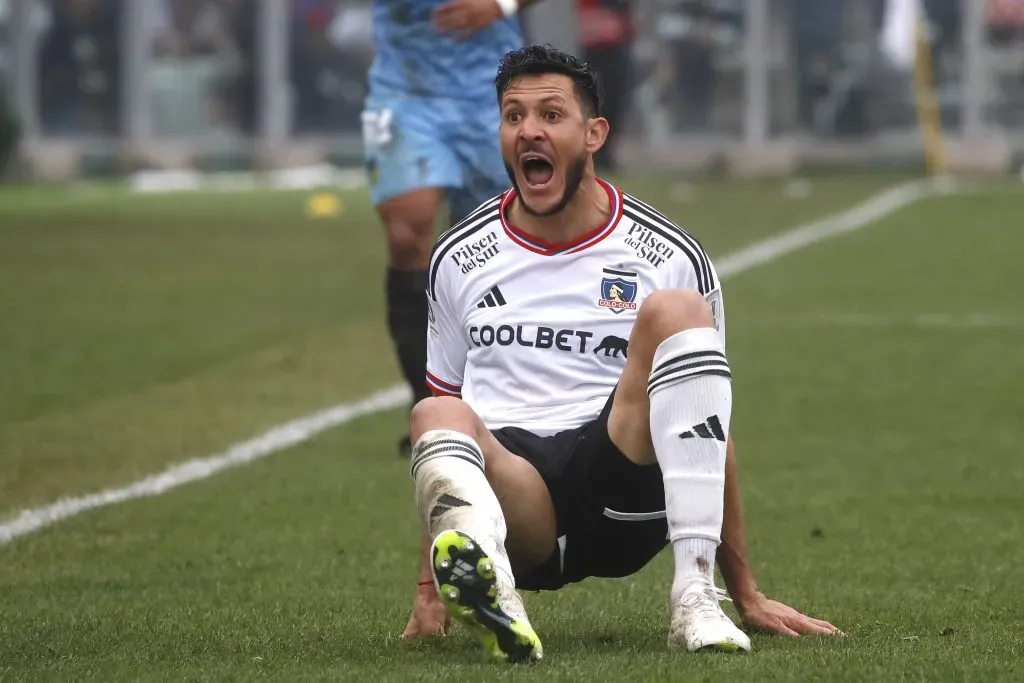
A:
<point x="323" y="205"/>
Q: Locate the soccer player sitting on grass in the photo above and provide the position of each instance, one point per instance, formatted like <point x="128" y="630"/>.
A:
<point x="562" y="460"/>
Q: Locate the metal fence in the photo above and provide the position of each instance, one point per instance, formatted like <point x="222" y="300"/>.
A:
<point x="117" y="85"/>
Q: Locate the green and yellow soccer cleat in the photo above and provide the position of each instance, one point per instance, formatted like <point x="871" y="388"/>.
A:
<point x="475" y="595"/>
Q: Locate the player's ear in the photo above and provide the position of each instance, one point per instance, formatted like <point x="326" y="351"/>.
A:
<point x="597" y="133"/>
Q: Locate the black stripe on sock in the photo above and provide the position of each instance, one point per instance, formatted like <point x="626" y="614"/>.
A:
<point x="682" y="371"/>
<point x="454" y="444"/>
<point x="445" y="452"/>
<point x="688" y="369"/>
<point x="666" y="366"/>
<point x="416" y="466"/>
<point x="707" y="368"/>
<point x="447" y="447"/>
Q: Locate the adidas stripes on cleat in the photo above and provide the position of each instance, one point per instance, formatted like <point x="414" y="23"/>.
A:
<point x="473" y="592"/>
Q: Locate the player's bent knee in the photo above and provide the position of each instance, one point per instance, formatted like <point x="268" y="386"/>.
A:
<point x="409" y="243"/>
<point x="668" y="311"/>
<point x="441" y="412"/>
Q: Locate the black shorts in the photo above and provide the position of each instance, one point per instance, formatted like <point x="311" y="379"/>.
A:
<point x="610" y="513"/>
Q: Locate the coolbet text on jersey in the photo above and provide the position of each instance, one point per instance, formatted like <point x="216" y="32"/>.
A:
<point x="535" y="335"/>
<point x="431" y="116"/>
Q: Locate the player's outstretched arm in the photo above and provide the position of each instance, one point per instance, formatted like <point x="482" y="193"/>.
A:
<point x="429" y="616"/>
<point x="758" y="611"/>
<point x="463" y="18"/>
<point x="733" y="559"/>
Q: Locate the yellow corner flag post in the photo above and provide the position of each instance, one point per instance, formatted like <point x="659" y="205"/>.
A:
<point x="929" y="118"/>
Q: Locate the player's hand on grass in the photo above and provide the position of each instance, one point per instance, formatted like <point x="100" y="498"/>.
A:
<point x="429" y="616"/>
<point x="465" y="17"/>
<point x="769" y="616"/>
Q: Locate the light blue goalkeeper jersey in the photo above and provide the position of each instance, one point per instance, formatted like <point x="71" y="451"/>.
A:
<point x="431" y="116"/>
<point x="413" y="58"/>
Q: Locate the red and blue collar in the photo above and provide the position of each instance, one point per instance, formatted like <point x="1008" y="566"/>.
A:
<point x="540" y="246"/>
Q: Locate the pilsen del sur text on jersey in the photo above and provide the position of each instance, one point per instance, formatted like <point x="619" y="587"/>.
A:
<point x="647" y="245"/>
<point x="644" y="241"/>
<point x="475" y="254"/>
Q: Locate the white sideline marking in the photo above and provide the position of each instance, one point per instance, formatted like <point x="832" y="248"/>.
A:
<point x="276" y="439"/>
<point x="931" y="321"/>
<point x="305" y="428"/>
<point x="926" y="321"/>
<point x="871" y="211"/>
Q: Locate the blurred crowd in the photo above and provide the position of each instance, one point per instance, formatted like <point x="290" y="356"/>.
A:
<point x="203" y="69"/>
<point x="671" y="63"/>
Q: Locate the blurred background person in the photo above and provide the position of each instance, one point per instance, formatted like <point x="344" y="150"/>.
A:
<point x="331" y="50"/>
<point x="606" y="35"/>
<point x="429" y="135"/>
<point x="80" y="57"/>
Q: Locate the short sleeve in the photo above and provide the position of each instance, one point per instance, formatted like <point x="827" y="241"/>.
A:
<point x="447" y="345"/>
<point x="717" y="303"/>
<point x="698" y="272"/>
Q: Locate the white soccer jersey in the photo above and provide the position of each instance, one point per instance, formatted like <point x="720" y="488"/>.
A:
<point x="534" y="335"/>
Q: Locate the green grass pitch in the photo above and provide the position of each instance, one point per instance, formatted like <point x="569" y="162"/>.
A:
<point x="879" y="417"/>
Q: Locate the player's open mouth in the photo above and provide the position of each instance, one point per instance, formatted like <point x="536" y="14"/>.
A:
<point x="537" y="170"/>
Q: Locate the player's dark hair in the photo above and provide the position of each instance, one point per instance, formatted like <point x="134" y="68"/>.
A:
<point x="545" y="59"/>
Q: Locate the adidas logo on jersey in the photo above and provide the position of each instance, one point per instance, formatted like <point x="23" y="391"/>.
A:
<point x="493" y="299"/>
<point x="711" y="428"/>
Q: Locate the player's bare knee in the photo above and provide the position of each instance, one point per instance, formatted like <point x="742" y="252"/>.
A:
<point x="449" y="414"/>
<point x="669" y="311"/>
<point x="441" y="412"/>
<point x="409" y="243"/>
<point x="409" y="226"/>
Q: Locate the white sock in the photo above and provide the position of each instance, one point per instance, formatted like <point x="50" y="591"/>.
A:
<point x="690" y="390"/>
<point x="453" y="493"/>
